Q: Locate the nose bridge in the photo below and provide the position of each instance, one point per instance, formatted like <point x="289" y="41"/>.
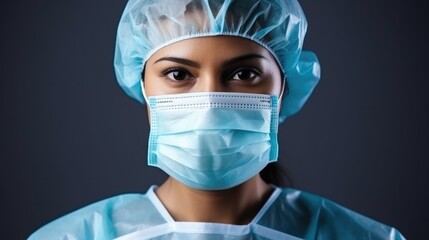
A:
<point x="210" y="81"/>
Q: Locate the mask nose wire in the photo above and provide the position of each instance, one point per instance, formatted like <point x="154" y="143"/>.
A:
<point x="280" y="96"/>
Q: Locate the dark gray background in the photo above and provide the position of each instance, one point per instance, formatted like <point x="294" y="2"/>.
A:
<point x="69" y="136"/>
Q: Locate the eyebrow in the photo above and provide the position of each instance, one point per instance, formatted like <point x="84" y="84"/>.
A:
<point x="243" y="58"/>
<point x="191" y="63"/>
<point x="179" y="60"/>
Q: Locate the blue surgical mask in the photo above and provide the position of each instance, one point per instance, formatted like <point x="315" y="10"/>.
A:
<point x="213" y="140"/>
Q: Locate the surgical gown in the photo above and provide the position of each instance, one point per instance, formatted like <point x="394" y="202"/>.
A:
<point x="288" y="214"/>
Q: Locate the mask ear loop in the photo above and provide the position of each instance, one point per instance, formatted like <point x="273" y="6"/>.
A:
<point x="143" y="91"/>
<point x="282" y="93"/>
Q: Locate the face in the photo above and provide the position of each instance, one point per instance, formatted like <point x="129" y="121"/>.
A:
<point x="212" y="64"/>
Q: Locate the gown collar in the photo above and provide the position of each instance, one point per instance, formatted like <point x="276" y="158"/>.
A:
<point x="168" y="218"/>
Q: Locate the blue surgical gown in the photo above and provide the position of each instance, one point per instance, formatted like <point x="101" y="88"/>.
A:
<point x="288" y="214"/>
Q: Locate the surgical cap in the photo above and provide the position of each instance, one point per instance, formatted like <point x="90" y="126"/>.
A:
<point x="278" y="25"/>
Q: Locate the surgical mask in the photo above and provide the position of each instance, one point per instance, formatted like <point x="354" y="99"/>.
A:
<point x="213" y="141"/>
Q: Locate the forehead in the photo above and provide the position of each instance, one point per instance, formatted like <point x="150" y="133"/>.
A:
<point x="212" y="48"/>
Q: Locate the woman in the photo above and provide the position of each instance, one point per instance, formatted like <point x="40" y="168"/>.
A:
<point x="217" y="77"/>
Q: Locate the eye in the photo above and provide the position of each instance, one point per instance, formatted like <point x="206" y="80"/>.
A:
<point x="177" y="74"/>
<point x="245" y="74"/>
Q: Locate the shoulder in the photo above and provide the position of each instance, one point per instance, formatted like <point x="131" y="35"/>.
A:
<point x="95" y="221"/>
<point x="320" y="218"/>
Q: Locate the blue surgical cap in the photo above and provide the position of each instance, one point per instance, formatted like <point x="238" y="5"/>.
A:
<point x="278" y="25"/>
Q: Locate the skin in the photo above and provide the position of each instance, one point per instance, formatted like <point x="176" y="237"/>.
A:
<point x="213" y="64"/>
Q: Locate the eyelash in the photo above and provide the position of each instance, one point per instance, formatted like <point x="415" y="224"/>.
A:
<point x="253" y="71"/>
<point x="166" y="72"/>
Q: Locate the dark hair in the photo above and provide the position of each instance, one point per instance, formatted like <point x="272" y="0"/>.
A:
<point x="275" y="174"/>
